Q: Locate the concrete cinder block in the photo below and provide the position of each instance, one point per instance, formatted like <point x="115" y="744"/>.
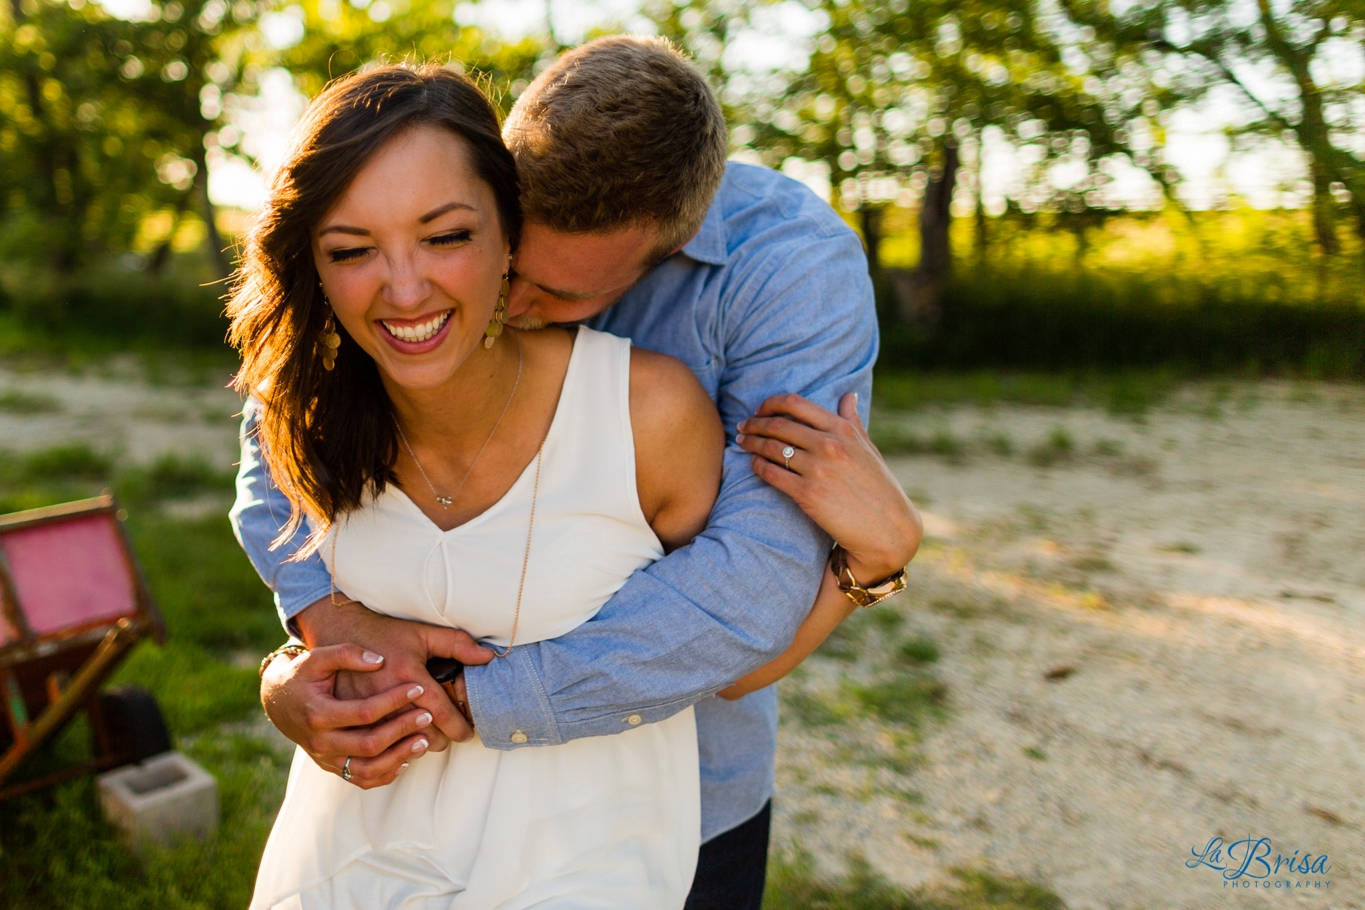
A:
<point x="160" y="800"/>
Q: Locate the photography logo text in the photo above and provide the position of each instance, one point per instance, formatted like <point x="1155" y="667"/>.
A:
<point x="1253" y="862"/>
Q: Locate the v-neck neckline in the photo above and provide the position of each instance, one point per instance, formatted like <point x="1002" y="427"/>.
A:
<point x="525" y="471"/>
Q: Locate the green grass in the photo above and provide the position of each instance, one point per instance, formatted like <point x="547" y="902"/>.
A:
<point x="792" y="885"/>
<point x="1127" y="393"/>
<point x="1058" y="446"/>
<point x="55" y="848"/>
<point x="15" y="401"/>
<point x="57" y="851"/>
<point x="918" y="651"/>
<point x="904" y="698"/>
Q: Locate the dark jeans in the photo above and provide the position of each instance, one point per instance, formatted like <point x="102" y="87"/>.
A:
<point x="730" y="867"/>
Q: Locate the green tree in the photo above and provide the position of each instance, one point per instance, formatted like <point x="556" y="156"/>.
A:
<point x="106" y="120"/>
<point x="335" y="38"/>
<point x="898" y="96"/>
<point x="1279" y="57"/>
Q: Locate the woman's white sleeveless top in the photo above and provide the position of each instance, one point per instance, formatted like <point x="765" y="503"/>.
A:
<point x="603" y="822"/>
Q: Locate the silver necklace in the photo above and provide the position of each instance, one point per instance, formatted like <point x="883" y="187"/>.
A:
<point x="445" y="502"/>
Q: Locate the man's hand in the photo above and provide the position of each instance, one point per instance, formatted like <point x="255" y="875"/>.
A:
<point x="297" y="696"/>
<point x="405" y="647"/>
<point x="838" y="478"/>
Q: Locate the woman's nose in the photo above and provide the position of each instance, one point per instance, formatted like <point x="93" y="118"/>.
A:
<point x="407" y="286"/>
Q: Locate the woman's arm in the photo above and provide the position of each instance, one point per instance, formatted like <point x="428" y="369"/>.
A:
<point x="838" y="478"/>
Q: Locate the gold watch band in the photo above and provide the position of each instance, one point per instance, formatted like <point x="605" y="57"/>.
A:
<point x="863" y="596"/>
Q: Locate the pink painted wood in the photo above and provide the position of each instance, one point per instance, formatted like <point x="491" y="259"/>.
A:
<point x="70" y="573"/>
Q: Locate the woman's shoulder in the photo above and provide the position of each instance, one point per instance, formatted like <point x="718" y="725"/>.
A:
<point x="663" y="390"/>
<point x="679" y="441"/>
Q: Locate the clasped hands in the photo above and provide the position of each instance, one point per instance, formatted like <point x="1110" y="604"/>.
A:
<point x="363" y="693"/>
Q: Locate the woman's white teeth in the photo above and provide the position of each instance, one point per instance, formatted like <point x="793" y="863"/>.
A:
<point x="421" y="331"/>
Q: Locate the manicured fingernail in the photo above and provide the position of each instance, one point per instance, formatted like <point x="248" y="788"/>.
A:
<point x="415" y="692"/>
<point x="423" y="719"/>
<point x="401" y="768"/>
<point x="420" y="745"/>
<point x="855" y="399"/>
<point x="371" y="658"/>
<point x="739" y="439"/>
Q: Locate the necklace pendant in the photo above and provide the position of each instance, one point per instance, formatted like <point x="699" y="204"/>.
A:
<point x="444" y="501"/>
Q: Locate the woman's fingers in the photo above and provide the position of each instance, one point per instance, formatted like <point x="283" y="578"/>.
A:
<point x="803" y="409"/>
<point x="772" y="450"/>
<point x="848" y="409"/>
<point x="362" y="712"/>
<point x="331" y="748"/>
<point x="321" y="662"/>
<point x="788" y="431"/>
<point x="368" y="772"/>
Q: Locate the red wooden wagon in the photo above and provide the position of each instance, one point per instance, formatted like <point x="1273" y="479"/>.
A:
<point x="73" y="602"/>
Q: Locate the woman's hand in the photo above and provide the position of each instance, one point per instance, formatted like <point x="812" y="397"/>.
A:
<point x="838" y="478"/>
<point x="406" y="647"/>
<point x="297" y="696"/>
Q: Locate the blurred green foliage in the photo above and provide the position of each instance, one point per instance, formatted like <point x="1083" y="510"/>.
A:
<point x="107" y="121"/>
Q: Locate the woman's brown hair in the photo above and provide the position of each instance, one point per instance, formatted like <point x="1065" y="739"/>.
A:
<point x="329" y="437"/>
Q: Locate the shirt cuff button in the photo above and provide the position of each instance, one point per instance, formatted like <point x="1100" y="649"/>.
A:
<point x="518" y="737"/>
<point x="634" y="720"/>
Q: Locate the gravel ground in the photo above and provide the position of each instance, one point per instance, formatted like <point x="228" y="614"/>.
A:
<point x="1151" y="635"/>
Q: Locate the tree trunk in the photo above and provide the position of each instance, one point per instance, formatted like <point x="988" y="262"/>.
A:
<point x="1324" y="207"/>
<point x="870" y="219"/>
<point x="922" y="300"/>
<point x="212" y="239"/>
<point x="157" y="264"/>
<point x="980" y="235"/>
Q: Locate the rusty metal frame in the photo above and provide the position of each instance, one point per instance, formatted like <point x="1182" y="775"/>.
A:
<point x="110" y="639"/>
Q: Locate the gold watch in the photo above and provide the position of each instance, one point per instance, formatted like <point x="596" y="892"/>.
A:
<point x="868" y="596"/>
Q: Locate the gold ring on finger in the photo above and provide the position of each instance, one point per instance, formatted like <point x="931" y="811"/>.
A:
<point x="787" y="454"/>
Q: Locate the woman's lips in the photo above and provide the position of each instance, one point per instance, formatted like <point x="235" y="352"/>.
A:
<point x="415" y="337"/>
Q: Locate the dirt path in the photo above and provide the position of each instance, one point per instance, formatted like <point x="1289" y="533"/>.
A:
<point x="113" y="408"/>
<point x="1150" y="637"/>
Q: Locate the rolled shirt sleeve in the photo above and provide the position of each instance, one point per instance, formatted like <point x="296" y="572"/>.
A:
<point x="258" y="514"/>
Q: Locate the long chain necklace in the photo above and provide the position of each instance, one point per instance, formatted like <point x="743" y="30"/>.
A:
<point x="445" y="502"/>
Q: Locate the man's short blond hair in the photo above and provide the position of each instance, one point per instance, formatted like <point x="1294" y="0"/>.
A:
<point x="621" y="132"/>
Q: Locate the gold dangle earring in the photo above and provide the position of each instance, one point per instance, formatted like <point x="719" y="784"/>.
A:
<point x="499" y="313"/>
<point x="331" y="340"/>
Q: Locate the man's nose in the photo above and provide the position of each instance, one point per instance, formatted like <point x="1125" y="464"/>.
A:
<point x="520" y="296"/>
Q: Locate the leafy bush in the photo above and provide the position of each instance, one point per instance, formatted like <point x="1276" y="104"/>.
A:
<point x="1044" y="320"/>
<point x="115" y="306"/>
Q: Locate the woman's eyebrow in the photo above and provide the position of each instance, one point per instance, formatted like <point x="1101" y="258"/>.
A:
<point x="441" y="210"/>
<point x="343" y="229"/>
<point x="428" y="217"/>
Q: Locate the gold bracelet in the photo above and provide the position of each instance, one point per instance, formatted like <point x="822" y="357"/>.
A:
<point x="293" y="649"/>
<point x="862" y="596"/>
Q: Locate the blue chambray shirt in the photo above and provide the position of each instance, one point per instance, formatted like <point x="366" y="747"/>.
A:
<point x="771" y="296"/>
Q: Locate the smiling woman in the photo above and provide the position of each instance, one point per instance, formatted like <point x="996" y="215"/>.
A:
<point x="377" y="237"/>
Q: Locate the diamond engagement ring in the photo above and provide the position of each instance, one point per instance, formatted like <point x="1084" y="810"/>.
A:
<point x="787" y="454"/>
<point x="346" y="770"/>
